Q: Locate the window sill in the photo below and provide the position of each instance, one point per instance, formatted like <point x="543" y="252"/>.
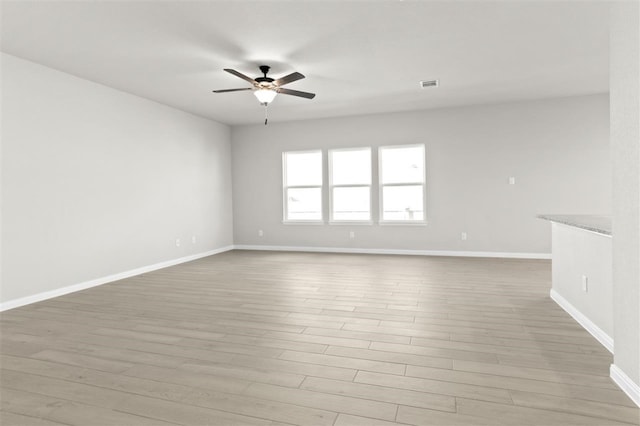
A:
<point x="303" y="222"/>
<point x="402" y="223"/>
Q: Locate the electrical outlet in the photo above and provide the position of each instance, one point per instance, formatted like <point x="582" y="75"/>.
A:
<point x="512" y="180"/>
<point x="193" y="239"/>
<point x="585" y="283"/>
<point x="352" y="235"/>
<point x="463" y="236"/>
<point x="260" y="233"/>
<point x="177" y="242"/>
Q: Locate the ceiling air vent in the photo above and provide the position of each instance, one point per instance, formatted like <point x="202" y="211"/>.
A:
<point x="428" y="83"/>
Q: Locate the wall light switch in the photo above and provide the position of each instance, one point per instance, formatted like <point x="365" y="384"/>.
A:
<point x="352" y="234"/>
<point x="260" y="233"/>
<point x="585" y="283"/>
<point x="193" y="239"/>
<point x="463" y="236"/>
<point x="177" y="242"/>
<point x="512" y="180"/>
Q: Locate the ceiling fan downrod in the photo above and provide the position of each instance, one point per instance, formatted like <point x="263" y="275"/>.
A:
<point x="264" y="69"/>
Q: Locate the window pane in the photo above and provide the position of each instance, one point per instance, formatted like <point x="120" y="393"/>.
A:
<point x="304" y="203"/>
<point x="402" y="202"/>
<point x="351" y="203"/>
<point x="351" y="167"/>
<point x="303" y="168"/>
<point x="402" y="165"/>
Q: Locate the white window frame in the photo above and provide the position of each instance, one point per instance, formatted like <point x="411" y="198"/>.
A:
<point x="332" y="186"/>
<point x="285" y="188"/>
<point x="381" y="186"/>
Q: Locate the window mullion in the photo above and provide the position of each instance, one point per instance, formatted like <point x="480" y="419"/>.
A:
<point x="303" y="186"/>
<point x="351" y="186"/>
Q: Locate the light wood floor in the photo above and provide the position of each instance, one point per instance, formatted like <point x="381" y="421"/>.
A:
<point x="265" y="338"/>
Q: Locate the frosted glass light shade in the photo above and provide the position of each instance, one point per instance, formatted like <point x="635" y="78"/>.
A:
<point x="265" y="96"/>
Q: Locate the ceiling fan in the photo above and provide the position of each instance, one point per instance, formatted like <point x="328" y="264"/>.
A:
<point x="266" y="88"/>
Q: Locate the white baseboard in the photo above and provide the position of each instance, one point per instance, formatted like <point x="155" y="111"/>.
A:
<point x="513" y="255"/>
<point x="104" y="280"/>
<point x="585" y="322"/>
<point x="625" y="383"/>
<point x="122" y="275"/>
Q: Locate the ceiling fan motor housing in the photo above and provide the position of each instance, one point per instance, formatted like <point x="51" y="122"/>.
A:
<point x="264" y="69"/>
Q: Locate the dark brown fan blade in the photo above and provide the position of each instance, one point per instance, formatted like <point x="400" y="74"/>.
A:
<point x="296" y="93"/>
<point x="232" y="90"/>
<point x="294" y="76"/>
<point x="242" y="76"/>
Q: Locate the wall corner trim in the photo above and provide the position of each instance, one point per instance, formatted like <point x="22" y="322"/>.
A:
<point x="514" y="255"/>
<point x="27" y="300"/>
<point x="625" y="383"/>
<point x="581" y="319"/>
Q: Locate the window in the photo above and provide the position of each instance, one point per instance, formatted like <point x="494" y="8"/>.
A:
<point x="402" y="180"/>
<point x="302" y="180"/>
<point x="350" y="184"/>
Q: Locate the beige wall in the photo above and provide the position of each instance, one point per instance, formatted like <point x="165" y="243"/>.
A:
<point x="557" y="149"/>
<point x="97" y="182"/>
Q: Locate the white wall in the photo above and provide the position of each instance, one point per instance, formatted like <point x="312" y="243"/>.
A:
<point x="578" y="253"/>
<point x="558" y="151"/>
<point x="97" y="182"/>
<point x="625" y="145"/>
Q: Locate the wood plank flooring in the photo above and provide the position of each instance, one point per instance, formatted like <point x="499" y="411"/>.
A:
<point x="271" y="338"/>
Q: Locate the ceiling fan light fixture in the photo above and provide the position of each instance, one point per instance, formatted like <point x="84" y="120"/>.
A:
<point x="265" y="96"/>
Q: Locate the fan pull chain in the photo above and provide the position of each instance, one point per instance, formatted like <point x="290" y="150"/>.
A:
<point x="265" y="114"/>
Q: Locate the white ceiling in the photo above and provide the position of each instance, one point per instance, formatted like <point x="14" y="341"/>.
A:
<point x="359" y="56"/>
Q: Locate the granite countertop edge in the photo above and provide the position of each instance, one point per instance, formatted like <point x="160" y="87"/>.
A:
<point x="594" y="223"/>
